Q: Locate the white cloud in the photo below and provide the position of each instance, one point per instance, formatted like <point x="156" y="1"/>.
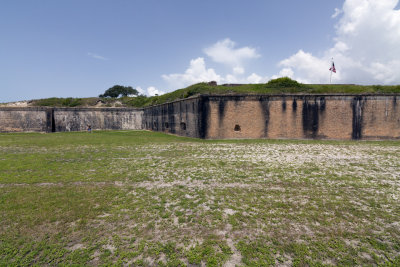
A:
<point x="337" y="12"/>
<point x="96" y="56"/>
<point x="286" y="72"/>
<point x="366" y="48"/>
<point x="198" y="72"/>
<point x="308" y="68"/>
<point x="195" y="73"/>
<point x="225" y="52"/>
<point x="140" y="90"/>
<point x="152" y="91"/>
<point x="255" y="78"/>
<point x="238" y="70"/>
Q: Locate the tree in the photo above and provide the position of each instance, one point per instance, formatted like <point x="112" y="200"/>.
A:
<point x="118" y="90"/>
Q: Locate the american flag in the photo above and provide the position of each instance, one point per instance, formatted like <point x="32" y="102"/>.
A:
<point x="333" y="67"/>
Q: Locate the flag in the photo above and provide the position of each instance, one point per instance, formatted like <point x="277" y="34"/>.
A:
<point x="333" y="67"/>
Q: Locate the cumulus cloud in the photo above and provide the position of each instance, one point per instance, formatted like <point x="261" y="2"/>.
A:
<point x="366" y="47"/>
<point x="140" y="90"/>
<point x="195" y="73"/>
<point x="308" y="68"/>
<point x="255" y="78"/>
<point x="225" y="52"/>
<point x="152" y="91"/>
<point x="337" y="12"/>
<point x="238" y="70"/>
<point x="198" y="72"/>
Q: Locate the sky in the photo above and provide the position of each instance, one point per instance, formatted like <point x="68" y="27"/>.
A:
<point x="81" y="48"/>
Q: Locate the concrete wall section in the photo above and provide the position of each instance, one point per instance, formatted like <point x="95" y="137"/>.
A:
<point x="69" y="119"/>
<point x="77" y="119"/>
<point x="25" y="119"/>
<point x="180" y="117"/>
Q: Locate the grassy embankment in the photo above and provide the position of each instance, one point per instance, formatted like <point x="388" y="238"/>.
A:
<point x="277" y="86"/>
<point x="147" y="198"/>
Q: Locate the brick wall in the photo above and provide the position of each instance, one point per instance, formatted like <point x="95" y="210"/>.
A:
<point x="304" y="116"/>
<point x="184" y="117"/>
<point x="230" y="116"/>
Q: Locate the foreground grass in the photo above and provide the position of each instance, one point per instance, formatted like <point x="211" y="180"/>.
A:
<point x="145" y="198"/>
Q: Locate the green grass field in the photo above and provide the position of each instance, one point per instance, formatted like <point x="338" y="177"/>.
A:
<point x="142" y="198"/>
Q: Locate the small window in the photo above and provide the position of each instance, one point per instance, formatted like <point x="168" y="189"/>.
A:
<point x="237" y="128"/>
<point x="166" y="125"/>
<point x="183" y="126"/>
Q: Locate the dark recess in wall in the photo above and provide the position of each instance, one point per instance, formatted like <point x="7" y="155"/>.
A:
<point x="50" y="125"/>
<point x="310" y="118"/>
<point x="357" y="105"/>
<point x="221" y="111"/>
<point x="183" y="126"/>
<point x="294" y="105"/>
<point x="264" y="102"/>
<point x="53" y="122"/>
<point x="203" y="109"/>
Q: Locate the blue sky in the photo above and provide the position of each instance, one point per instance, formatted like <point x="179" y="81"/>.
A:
<point x="80" y="48"/>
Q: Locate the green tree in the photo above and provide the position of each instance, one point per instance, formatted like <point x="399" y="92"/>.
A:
<point x="119" y="90"/>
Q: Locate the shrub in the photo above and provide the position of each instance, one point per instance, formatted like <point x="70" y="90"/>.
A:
<point x="284" y="82"/>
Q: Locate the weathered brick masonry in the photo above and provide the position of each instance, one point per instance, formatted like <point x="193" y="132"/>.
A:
<point x="304" y="116"/>
<point x="230" y="116"/>
<point x="279" y="116"/>
<point x="184" y="117"/>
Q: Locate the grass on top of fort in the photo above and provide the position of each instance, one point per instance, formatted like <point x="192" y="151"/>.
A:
<point x="283" y="85"/>
<point x="141" y="198"/>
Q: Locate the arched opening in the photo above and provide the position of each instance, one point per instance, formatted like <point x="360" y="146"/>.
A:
<point x="237" y="128"/>
<point x="183" y="126"/>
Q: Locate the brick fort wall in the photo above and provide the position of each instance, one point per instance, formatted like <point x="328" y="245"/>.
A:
<point x="367" y="117"/>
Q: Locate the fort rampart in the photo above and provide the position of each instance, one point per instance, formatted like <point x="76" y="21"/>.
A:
<point x="230" y="116"/>
<point x="184" y="117"/>
<point x="304" y="116"/>
<point x="37" y="119"/>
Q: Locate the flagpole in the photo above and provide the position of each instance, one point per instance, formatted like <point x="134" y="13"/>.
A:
<point x="330" y="79"/>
